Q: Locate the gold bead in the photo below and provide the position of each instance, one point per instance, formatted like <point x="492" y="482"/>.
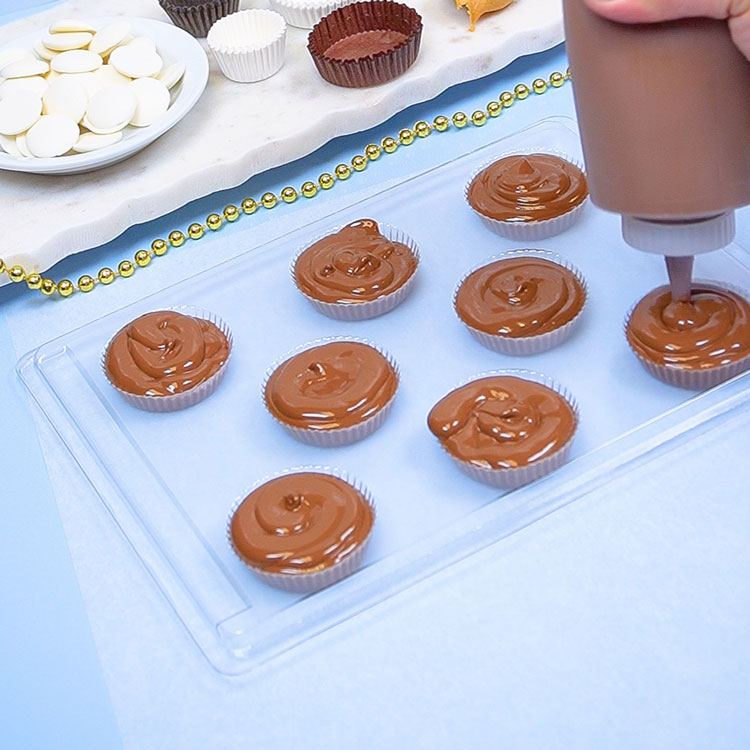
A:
<point x="159" y="247"/>
<point x="359" y="162"/>
<point x="479" y="118"/>
<point x="539" y="86"/>
<point x="521" y="91"/>
<point x="343" y="171"/>
<point x="567" y="74"/>
<point x="176" y="238"/>
<point x="65" y="287"/>
<point x="142" y="258"/>
<point x="268" y="200"/>
<point x="16" y="274"/>
<point x="85" y="283"/>
<point x="107" y="275"/>
<point x="389" y="144"/>
<point x="214" y="222"/>
<point x="422" y="129"/>
<point x="249" y="206"/>
<point x="494" y="109"/>
<point x="289" y="195"/>
<point x="460" y="120"/>
<point x="406" y="137"/>
<point x="309" y="189"/>
<point x="2" y="265"/>
<point x="372" y="151"/>
<point x="557" y="79"/>
<point x="48" y="287"/>
<point x="126" y="269"/>
<point x="231" y="213"/>
<point x="326" y="181"/>
<point x="507" y="99"/>
<point x="33" y="281"/>
<point x="195" y="231"/>
<point x="441" y="123"/>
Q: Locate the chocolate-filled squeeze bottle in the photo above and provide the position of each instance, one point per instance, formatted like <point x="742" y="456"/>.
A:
<point x="664" y="114"/>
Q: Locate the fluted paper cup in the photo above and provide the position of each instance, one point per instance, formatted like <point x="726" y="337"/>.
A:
<point x="304" y="14"/>
<point x="198" y="18"/>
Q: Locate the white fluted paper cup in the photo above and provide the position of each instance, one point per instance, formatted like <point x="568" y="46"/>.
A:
<point x="683" y="377"/>
<point x="190" y="397"/>
<point x="536" y="343"/>
<point x="334" y="437"/>
<point x="366" y="309"/>
<point x="248" y="45"/>
<point x="304" y="14"/>
<point x="319" y="579"/>
<point x="528" y="231"/>
<point x="510" y="479"/>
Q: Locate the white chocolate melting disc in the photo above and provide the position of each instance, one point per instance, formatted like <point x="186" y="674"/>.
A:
<point x="108" y="76"/>
<point x="89" y="81"/>
<point x="135" y="62"/>
<point x="153" y="101"/>
<point x="93" y="141"/>
<point x="23" y="149"/>
<point x="19" y="111"/>
<point x="109" y="36"/>
<point x="52" y="75"/>
<point x="14" y="54"/>
<point x="76" y="61"/>
<point x="43" y="52"/>
<point x="70" y="24"/>
<point x="110" y="109"/>
<point x="36" y="84"/>
<point x="52" y="135"/>
<point x="67" y="97"/>
<point x="144" y="42"/>
<point x="8" y="144"/>
<point x="172" y="74"/>
<point x="25" y="68"/>
<point x="63" y="42"/>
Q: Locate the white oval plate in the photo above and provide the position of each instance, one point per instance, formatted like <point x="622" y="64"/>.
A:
<point x="173" y="44"/>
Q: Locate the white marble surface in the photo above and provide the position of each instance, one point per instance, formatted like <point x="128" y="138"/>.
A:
<point x="239" y="130"/>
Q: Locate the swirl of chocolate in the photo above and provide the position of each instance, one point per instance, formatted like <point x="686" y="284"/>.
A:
<point x="300" y="523"/>
<point x="709" y="330"/>
<point x="163" y="353"/>
<point x="528" y="187"/>
<point x="502" y="422"/>
<point x="331" y="386"/>
<point x="516" y="297"/>
<point x="356" y="264"/>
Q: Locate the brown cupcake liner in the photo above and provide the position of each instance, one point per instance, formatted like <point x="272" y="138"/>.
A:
<point x="198" y="18"/>
<point x="319" y="579"/>
<point x="366" y="16"/>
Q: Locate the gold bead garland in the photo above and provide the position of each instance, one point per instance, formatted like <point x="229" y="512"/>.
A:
<point x="309" y="189"/>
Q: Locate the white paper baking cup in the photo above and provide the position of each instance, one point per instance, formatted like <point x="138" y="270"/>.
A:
<point x="371" y="308"/>
<point x="336" y="437"/>
<point x="249" y="44"/>
<point x="528" y="230"/>
<point x="314" y="581"/>
<point x="525" y="345"/>
<point x="190" y="397"/>
<point x="304" y="14"/>
<point x="512" y="478"/>
<point x="683" y="377"/>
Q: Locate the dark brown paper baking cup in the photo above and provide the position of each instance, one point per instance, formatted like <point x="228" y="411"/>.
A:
<point x="377" y="15"/>
<point x="198" y="18"/>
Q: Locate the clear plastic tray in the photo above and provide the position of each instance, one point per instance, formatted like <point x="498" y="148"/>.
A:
<point x="169" y="480"/>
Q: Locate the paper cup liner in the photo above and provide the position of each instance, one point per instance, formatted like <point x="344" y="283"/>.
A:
<point x="354" y="18"/>
<point x="686" y="378"/>
<point x="512" y="478"/>
<point x="198" y="18"/>
<point x="316" y="580"/>
<point x="524" y="231"/>
<point x="537" y="343"/>
<point x="190" y="397"/>
<point x="248" y="45"/>
<point x="304" y="14"/>
<point x="369" y="308"/>
<point x="335" y="437"/>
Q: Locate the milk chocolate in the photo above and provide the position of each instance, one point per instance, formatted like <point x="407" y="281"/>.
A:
<point x="709" y="330"/>
<point x="331" y="386"/>
<point x="300" y="523"/>
<point x="528" y="187"/>
<point x="518" y="297"/>
<point x="356" y="264"/>
<point x="164" y="353"/>
<point x="364" y="44"/>
<point x="502" y="422"/>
